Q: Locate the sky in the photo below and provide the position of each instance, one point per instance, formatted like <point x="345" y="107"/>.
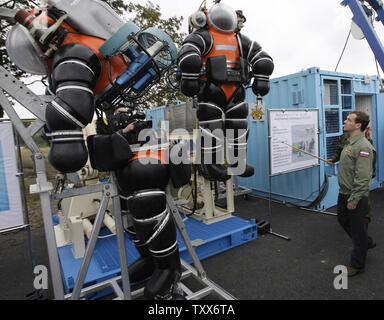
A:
<point x="298" y="34"/>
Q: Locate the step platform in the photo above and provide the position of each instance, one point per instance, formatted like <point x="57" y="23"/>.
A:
<point x="208" y="240"/>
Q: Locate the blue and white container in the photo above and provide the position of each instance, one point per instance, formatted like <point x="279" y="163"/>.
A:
<point x="334" y="95"/>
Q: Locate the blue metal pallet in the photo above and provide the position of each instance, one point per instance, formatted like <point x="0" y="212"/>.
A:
<point x="210" y="240"/>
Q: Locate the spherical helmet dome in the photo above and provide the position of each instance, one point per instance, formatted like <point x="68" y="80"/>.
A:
<point x="222" y="18"/>
<point x="24" y="51"/>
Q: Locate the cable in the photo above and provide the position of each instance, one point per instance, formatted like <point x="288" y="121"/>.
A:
<point x="194" y="193"/>
<point x="342" y="53"/>
<point x="321" y="196"/>
<point x="107" y="236"/>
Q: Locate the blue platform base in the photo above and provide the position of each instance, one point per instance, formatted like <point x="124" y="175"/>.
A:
<point x="211" y="239"/>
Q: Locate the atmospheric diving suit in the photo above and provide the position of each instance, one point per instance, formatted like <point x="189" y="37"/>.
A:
<point x="86" y="51"/>
<point x="214" y="63"/>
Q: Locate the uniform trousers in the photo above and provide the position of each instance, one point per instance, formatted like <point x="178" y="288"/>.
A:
<point x="354" y="223"/>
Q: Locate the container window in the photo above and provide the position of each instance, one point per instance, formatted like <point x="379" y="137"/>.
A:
<point x="332" y="145"/>
<point x="347" y="102"/>
<point x="331" y="93"/>
<point x="346" y="87"/>
<point x="332" y="118"/>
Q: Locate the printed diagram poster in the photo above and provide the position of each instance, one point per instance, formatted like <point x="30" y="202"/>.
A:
<point x="11" y="214"/>
<point x="294" y="135"/>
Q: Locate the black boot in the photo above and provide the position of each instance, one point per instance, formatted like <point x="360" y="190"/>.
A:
<point x="248" y="172"/>
<point x="163" y="284"/>
<point x="155" y="227"/>
<point x="211" y="141"/>
<point x="211" y="165"/>
<point x="214" y="172"/>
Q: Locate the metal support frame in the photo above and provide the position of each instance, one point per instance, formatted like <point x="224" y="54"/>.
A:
<point x="198" y="274"/>
<point x="270" y="231"/>
<point x="17" y="90"/>
<point x="109" y="191"/>
<point x="195" y="272"/>
<point x="211" y="212"/>
<point x="239" y="190"/>
<point x="361" y="19"/>
<point x="35" y="104"/>
<point x="180" y="224"/>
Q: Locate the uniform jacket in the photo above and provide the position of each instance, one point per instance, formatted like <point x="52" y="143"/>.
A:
<point x="343" y="141"/>
<point x="356" y="168"/>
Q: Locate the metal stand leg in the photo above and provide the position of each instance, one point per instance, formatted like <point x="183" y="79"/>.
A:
<point x="34" y="104"/>
<point x="90" y="247"/>
<point x="109" y="190"/>
<point x="197" y="272"/>
<point x="20" y="175"/>
<point x="43" y="187"/>
<point x="321" y="212"/>
<point x="278" y="235"/>
<point x="270" y="213"/>
<point x="184" y="234"/>
<point x="121" y="241"/>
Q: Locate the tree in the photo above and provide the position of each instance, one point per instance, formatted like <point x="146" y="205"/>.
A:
<point x="4" y="28"/>
<point x="148" y="15"/>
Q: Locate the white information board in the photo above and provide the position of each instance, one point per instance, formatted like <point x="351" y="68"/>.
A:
<point x="11" y="213"/>
<point x="293" y="134"/>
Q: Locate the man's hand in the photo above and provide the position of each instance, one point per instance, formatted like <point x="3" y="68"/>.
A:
<point x="351" y="206"/>
<point x="330" y="162"/>
<point x="129" y="127"/>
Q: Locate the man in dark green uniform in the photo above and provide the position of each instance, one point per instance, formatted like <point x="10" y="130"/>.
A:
<point x="354" y="177"/>
<point x="343" y="141"/>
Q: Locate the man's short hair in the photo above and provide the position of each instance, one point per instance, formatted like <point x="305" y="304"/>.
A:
<point x="363" y="118"/>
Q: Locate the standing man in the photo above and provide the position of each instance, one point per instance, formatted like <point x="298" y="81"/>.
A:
<point x="343" y="141"/>
<point x="354" y="177"/>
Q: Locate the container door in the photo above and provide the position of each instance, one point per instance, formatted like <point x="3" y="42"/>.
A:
<point x="364" y="103"/>
<point x="380" y="137"/>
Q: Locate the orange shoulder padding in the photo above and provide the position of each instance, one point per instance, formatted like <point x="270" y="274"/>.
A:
<point x="160" y="155"/>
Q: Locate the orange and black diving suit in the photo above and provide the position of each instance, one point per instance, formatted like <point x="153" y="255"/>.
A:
<point x="214" y="63"/>
<point x="79" y="78"/>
